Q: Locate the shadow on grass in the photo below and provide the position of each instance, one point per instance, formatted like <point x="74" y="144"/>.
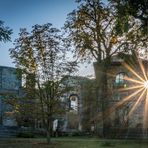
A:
<point x="71" y="143"/>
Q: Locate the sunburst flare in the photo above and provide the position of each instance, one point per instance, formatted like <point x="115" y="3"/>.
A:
<point x="146" y="84"/>
<point x="137" y="92"/>
<point x="140" y="82"/>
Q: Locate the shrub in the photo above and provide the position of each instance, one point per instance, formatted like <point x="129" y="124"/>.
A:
<point x="107" y="144"/>
<point x="25" y="135"/>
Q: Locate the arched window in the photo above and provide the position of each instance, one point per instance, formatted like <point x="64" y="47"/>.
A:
<point x="120" y="78"/>
<point x="74" y="102"/>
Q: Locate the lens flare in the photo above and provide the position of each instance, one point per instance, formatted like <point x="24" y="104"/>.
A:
<point x="140" y="80"/>
<point x="146" y="84"/>
<point x="137" y="91"/>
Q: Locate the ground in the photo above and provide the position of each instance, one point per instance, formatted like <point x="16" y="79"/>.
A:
<point x="72" y="143"/>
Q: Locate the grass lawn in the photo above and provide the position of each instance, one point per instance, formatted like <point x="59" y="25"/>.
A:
<point x="72" y="143"/>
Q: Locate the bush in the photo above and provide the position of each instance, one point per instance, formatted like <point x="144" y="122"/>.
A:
<point x="107" y="144"/>
<point x="25" y="135"/>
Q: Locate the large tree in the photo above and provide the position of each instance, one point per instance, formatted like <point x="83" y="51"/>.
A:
<point x="41" y="57"/>
<point x="92" y="30"/>
<point x="5" y="32"/>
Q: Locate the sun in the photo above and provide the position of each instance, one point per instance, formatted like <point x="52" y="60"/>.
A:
<point x="146" y="84"/>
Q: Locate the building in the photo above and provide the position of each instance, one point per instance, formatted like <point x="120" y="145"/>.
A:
<point x="72" y="99"/>
<point x="123" y="82"/>
<point x="10" y="84"/>
<point x="125" y="99"/>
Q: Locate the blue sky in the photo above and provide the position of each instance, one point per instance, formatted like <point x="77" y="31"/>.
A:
<point x="25" y="13"/>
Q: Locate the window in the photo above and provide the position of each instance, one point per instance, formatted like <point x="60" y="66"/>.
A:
<point x="74" y="102"/>
<point x="120" y="78"/>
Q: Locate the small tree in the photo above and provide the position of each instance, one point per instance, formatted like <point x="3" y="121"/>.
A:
<point x="23" y="109"/>
<point x="41" y="57"/>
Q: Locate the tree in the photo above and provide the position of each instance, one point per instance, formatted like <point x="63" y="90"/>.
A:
<point x="41" y="57"/>
<point x="90" y="108"/>
<point x="127" y="9"/>
<point x="135" y="8"/>
<point x="5" y="32"/>
<point x="23" y="110"/>
<point x="92" y="30"/>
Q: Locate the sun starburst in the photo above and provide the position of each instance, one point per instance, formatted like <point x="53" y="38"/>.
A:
<point x="140" y="90"/>
<point x="146" y="84"/>
<point x="137" y="91"/>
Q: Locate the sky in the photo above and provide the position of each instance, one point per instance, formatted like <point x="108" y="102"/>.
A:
<point x="25" y="13"/>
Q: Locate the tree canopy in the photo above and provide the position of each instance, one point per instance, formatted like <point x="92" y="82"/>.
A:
<point x="136" y="8"/>
<point x="92" y="28"/>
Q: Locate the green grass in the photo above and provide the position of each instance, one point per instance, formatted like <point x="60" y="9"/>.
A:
<point x="71" y="143"/>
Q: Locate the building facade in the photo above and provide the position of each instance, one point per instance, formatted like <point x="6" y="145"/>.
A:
<point x="128" y="106"/>
<point x="123" y="112"/>
<point x="10" y="85"/>
<point x="72" y="101"/>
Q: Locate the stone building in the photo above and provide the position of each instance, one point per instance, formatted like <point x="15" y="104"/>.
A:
<point x="124" y="107"/>
<point x="120" y="88"/>
<point x="73" y="103"/>
<point x="10" y="84"/>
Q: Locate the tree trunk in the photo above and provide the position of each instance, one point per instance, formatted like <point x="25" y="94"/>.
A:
<point x="49" y="128"/>
<point x="101" y="80"/>
<point x="48" y="136"/>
